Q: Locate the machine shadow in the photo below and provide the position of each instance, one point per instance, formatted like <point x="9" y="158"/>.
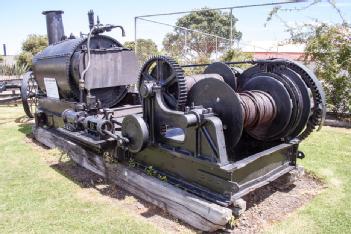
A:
<point x="74" y="172"/>
<point x="26" y="129"/>
<point x="87" y="179"/>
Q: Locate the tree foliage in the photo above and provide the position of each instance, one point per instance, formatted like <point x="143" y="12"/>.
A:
<point x="31" y="46"/>
<point x="145" y="48"/>
<point x="329" y="46"/>
<point x="237" y="55"/>
<point x="328" y="50"/>
<point x="197" y="70"/>
<point x="1" y="58"/>
<point x="191" y="45"/>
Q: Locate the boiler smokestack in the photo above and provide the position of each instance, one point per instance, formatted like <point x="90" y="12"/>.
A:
<point x="54" y="26"/>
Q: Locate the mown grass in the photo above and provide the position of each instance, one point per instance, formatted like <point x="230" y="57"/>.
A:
<point x="328" y="155"/>
<point x="34" y="198"/>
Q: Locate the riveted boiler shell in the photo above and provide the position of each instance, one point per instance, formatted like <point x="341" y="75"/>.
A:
<point x="112" y="68"/>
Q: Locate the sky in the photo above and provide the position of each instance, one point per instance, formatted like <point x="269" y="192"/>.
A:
<point x="19" y="18"/>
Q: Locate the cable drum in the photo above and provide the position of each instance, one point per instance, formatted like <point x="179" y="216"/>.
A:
<point x="283" y="105"/>
<point x="259" y="111"/>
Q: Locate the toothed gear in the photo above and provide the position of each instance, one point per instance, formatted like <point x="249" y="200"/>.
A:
<point x="167" y="73"/>
<point x="316" y="115"/>
<point x="319" y="110"/>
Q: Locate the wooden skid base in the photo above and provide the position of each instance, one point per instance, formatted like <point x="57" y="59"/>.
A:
<point x="189" y="208"/>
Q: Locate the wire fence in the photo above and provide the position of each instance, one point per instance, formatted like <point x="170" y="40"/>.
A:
<point x="189" y="45"/>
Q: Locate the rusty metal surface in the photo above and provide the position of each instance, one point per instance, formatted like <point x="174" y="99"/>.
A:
<point x="259" y="111"/>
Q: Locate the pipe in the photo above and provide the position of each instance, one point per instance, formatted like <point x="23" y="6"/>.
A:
<point x="122" y="29"/>
<point x="82" y="75"/>
<point x="54" y="26"/>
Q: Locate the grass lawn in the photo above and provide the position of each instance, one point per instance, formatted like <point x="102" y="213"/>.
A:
<point x="328" y="155"/>
<point x="36" y="198"/>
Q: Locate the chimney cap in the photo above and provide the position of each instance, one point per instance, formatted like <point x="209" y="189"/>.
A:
<point x="53" y="11"/>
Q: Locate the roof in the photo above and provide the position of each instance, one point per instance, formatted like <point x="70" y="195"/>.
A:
<point x="270" y="46"/>
<point x="286" y="55"/>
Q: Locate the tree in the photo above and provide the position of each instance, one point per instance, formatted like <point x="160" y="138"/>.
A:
<point x="191" y="45"/>
<point x="145" y="48"/>
<point x="328" y="48"/>
<point x="1" y="58"/>
<point x="237" y="55"/>
<point x="31" y="46"/>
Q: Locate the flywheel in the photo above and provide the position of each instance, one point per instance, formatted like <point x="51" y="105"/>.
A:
<point x="167" y="73"/>
<point x="29" y="92"/>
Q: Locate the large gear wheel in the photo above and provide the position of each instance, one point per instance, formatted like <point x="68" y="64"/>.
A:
<point x="317" y="117"/>
<point x="314" y="111"/>
<point x="169" y="76"/>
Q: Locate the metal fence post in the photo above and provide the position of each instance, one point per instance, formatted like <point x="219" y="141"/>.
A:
<point x="185" y="41"/>
<point x="135" y="35"/>
<point x="216" y="47"/>
<point x="231" y="27"/>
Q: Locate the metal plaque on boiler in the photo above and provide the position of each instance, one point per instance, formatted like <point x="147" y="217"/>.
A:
<point x="51" y="88"/>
